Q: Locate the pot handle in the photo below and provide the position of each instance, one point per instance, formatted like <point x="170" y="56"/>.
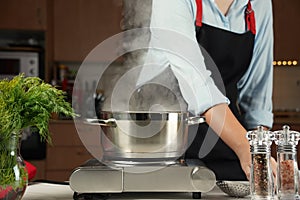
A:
<point x="102" y="122"/>
<point x="196" y="120"/>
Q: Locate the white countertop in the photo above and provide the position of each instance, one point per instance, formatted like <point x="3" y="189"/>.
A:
<point x="46" y="191"/>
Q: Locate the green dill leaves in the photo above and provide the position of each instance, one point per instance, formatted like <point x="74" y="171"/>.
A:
<point x="29" y="101"/>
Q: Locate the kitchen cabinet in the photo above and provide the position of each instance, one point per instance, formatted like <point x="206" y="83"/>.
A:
<point x="286" y="29"/>
<point x="23" y="15"/>
<point x="25" y="20"/>
<point x="80" y="25"/>
<point x="40" y="168"/>
<point x="66" y="151"/>
<point x="291" y="119"/>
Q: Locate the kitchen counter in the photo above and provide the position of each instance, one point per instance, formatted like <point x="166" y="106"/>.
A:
<point x="287" y="117"/>
<point x="46" y="191"/>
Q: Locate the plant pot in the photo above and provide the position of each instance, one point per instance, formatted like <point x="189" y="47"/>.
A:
<point x="13" y="174"/>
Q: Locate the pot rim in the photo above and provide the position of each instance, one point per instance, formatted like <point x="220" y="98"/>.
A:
<point x="143" y="112"/>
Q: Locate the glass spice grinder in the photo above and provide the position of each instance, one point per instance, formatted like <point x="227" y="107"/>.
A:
<point x="287" y="167"/>
<point x="261" y="177"/>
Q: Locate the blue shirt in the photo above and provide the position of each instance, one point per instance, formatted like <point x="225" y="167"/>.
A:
<point x="173" y="45"/>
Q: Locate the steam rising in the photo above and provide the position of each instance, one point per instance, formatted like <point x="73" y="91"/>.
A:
<point x="162" y="93"/>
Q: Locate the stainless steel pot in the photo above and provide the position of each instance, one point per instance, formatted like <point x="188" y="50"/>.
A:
<point x="140" y="137"/>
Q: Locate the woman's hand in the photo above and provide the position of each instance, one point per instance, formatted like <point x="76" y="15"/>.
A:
<point x="224" y="123"/>
<point x="274" y="170"/>
<point x="245" y="161"/>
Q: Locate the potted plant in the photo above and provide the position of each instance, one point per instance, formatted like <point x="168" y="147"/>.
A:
<point x="24" y="102"/>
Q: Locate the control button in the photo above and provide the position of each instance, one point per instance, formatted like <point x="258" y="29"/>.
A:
<point x="32" y="71"/>
<point x="32" y="62"/>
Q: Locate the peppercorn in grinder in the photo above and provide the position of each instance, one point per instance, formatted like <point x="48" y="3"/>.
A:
<point x="261" y="177"/>
<point x="287" y="167"/>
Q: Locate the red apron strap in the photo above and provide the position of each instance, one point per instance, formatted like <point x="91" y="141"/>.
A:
<point x="199" y="13"/>
<point x="250" y="18"/>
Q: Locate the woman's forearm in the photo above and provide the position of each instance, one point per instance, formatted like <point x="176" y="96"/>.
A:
<point x="224" y="123"/>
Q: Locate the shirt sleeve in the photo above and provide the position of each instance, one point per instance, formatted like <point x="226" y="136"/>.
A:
<point x="173" y="44"/>
<point x="255" y="87"/>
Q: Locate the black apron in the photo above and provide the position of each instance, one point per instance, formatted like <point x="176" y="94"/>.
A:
<point x="232" y="53"/>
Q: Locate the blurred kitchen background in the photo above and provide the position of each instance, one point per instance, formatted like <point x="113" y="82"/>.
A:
<point x="59" y="34"/>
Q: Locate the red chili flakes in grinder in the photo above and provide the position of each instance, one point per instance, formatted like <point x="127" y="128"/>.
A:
<point x="261" y="177"/>
<point x="260" y="174"/>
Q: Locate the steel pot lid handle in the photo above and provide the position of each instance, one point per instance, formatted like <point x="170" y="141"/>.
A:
<point x="102" y="122"/>
<point x="196" y="120"/>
